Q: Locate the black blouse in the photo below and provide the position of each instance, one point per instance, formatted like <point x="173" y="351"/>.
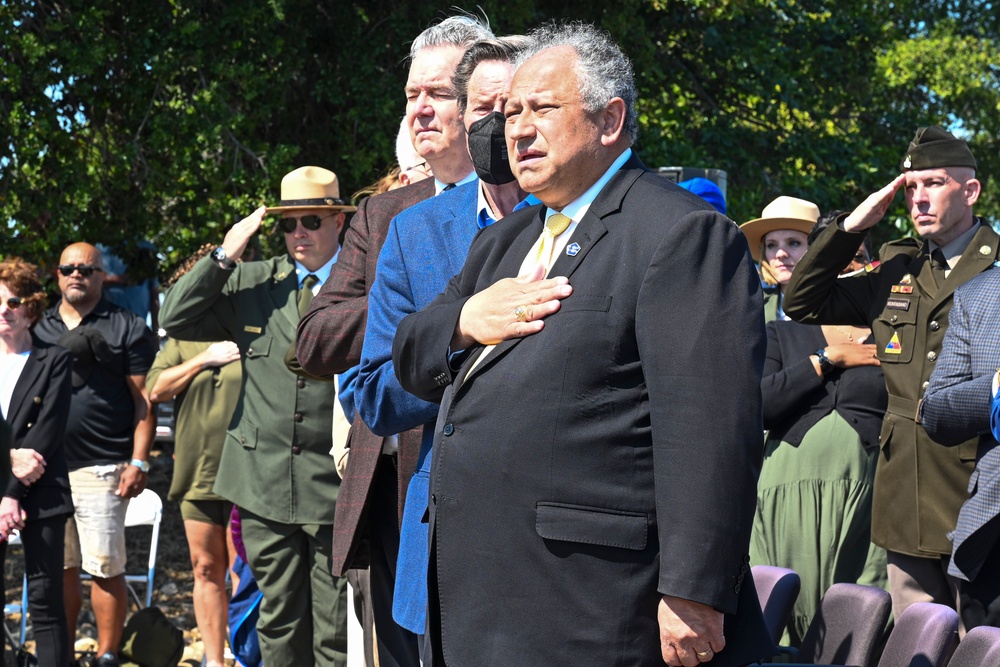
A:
<point x="795" y="398"/>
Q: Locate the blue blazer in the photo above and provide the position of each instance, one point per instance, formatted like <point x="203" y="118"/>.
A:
<point x="957" y="407"/>
<point x="426" y="245"/>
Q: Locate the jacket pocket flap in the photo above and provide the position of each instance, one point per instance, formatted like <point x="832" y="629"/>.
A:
<point x="591" y="525"/>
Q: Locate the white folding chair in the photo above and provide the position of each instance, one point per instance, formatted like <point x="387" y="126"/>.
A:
<point x="146" y="509"/>
<point x="14" y="539"/>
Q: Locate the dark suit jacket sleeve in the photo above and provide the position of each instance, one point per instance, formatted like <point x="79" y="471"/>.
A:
<point x="956" y="406"/>
<point x="700" y="331"/>
<point x="383" y="404"/>
<point x="787" y="382"/>
<point x="46" y="436"/>
<point x="816" y="294"/>
<point x="195" y="307"/>
<point x="421" y="348"/>
<point x="331" y="333"/>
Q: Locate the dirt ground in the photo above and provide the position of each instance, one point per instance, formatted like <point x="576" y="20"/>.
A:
<point x="173" y="582"/>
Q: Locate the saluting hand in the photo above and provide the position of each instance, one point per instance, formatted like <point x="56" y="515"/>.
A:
<point x="873" y="209"/>
<point x="239" y="235"/>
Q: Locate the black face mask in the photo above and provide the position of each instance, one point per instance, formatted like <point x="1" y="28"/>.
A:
<point x="488" y="148"/>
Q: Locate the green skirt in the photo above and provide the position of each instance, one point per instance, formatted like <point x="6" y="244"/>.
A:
<point x="814" y="514"/>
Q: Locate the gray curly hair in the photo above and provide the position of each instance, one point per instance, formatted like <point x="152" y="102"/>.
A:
<point x="604" y="70"/>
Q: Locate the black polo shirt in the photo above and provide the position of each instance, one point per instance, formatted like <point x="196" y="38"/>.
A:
<point x="102" y="415"/>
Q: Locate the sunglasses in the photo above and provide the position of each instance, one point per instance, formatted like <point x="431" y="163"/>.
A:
<point x="310" y="222"/>
<point x="84" y="269"/>
<point x="14" y="302"/>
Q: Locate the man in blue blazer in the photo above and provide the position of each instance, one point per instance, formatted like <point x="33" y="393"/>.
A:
<point x="426" y="245"/>
<point x="957" y="407"/>
<point x="598" y="443"/>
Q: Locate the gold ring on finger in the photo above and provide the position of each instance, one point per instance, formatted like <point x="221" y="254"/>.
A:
<point x="703" y="654"/>
<point x="521" y="313"/>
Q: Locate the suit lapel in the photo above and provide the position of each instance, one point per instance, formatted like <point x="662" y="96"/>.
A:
<point x="588" y="232"/>
<point x="24" y="389"/>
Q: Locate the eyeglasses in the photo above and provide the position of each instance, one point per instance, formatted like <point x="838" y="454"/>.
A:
<point x="310" y="222"/>
<point x="861" y="258"/>
<point x="84" y="269"/>
<point x="14" y="302"/>
<point x="422" y="166"/>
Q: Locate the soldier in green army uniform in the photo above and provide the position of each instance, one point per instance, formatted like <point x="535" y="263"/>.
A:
<point x="919" y="485"/>
<point x="276" y="464"/>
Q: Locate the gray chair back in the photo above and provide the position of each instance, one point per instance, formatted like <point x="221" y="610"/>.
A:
<point x="925" y="636"/>
<point x="847" y="627"/>
<point x="777" y="590"/>
<point x="979" y="648"/>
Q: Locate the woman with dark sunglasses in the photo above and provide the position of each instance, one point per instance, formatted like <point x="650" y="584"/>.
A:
<point x="35" y="390"/>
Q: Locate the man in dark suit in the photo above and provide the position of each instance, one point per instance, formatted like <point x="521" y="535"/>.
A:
<point x="597" y="447"/>
<point x="919" y="485"/>
<point x="331" y="334"/>
<point x="956" y="408"/>
<point x="276" y="464"/>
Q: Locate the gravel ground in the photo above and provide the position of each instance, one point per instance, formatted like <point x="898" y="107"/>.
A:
<point x="173" y="582"/>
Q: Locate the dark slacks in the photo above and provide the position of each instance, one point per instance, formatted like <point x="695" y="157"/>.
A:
<point x="43" y="541"/>
<point x="397" y="647"/>
<point x="303" y="616"/>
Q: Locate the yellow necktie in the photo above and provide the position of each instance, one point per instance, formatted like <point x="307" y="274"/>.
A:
<point x="554" y="226"/>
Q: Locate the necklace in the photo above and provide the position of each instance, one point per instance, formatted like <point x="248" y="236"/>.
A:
<point x="850" y="331"/>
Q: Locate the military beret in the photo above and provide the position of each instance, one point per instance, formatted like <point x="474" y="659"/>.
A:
<point x="934" y="147"/>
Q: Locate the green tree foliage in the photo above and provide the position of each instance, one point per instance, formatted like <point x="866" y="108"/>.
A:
<point x="168" y="121"/>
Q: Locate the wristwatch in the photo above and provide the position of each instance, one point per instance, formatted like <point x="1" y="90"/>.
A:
<point x="220" y="257"/>
<point x="825" y="365"/>
<point x="140" y="464"/>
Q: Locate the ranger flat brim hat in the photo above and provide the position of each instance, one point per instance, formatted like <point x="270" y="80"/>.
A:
<point x="310" y="187"/>
<point x="933" y="148"/>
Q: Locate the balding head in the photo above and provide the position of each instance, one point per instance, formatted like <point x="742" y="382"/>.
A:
<point x="82" y="291"/>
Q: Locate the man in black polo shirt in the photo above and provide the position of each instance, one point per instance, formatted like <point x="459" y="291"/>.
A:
<point x="108" y="437"/>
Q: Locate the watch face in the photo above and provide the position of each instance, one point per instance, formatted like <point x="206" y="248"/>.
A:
<point x="219" y="255"/>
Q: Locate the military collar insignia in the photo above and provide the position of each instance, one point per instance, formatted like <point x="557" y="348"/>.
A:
<point x="906" y="280"/>
<point x="985" y="250"/>
<point x="281" y="275"/>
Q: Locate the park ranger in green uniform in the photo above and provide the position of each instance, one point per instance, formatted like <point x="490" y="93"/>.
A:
<point x="919" y="485"/>
<point x="276" y="464"/>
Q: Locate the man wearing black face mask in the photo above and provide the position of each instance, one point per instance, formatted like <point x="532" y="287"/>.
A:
<point x="425" y="246"/>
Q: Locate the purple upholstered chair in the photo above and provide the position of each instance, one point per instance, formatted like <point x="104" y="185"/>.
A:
<point x="979" y="648"/>
<point x="848" y="626"/>
<point x="777" y="590"/>
<point x="925" y="636"/>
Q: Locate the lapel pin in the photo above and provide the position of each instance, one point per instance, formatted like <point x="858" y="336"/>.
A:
<point x="572" y="249"/>
<point x="278" y="277"/>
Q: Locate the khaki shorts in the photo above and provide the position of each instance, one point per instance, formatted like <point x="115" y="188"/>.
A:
<point x="215" y="512"/>
<point x="95" y="534"/>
